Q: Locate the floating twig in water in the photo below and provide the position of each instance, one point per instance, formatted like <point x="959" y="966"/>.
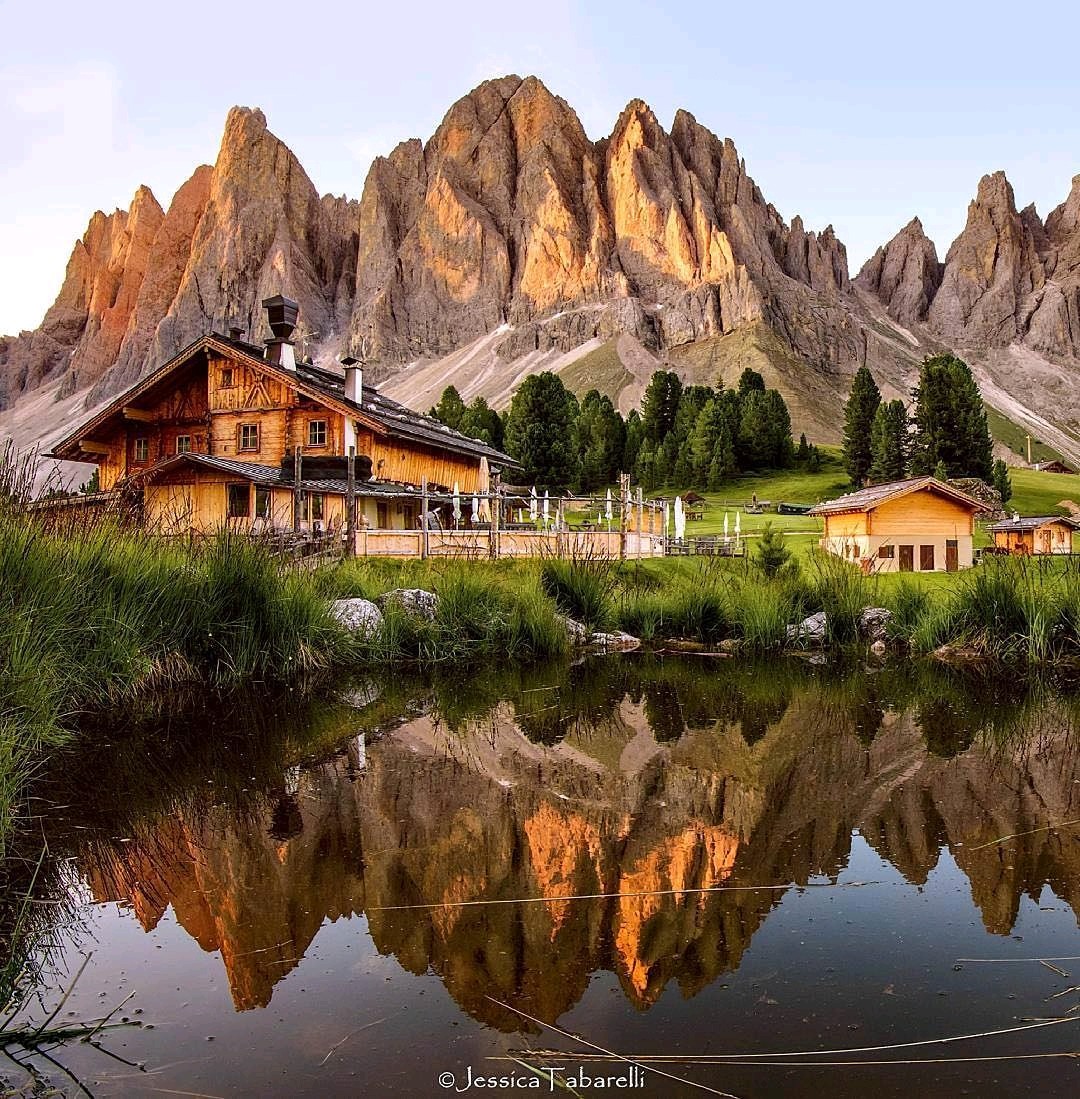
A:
<point x="1060" y="972"/>
<point x="638" y="893"/>
<point x="1066" y="958"/>
<point x="811" y="1064"/>
<point x="337" y="1045"/>
<point x="724" y="1058"/>
<point x="613" y="1056"/>
<point x="1029" y="832"/>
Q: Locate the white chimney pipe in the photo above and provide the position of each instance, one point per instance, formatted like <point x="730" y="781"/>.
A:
<point x="354" y="384"/>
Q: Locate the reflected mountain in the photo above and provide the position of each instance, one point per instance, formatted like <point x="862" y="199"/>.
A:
<point x="630" y="784"/>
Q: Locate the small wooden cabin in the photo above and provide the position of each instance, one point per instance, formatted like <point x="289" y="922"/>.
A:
<point x="1034" y="535"/>
<point x="209" y="440"/>
<point x="1054" y="466"/>
<point x="916" y="525"/>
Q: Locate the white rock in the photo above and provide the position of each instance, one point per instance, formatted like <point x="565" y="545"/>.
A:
<point x="360" y="616"/>
<point x="616" y="642"/>
<point x="415" y="601"/>
<point x="812" y="630"/>
<point x="874" y="623"/>
<point x="578" y="634"/>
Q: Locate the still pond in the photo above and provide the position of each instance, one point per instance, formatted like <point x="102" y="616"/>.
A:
<point x="454" y="885"/>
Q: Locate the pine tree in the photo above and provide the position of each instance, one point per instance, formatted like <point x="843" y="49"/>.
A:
<point x="1002" y="482"/>
<point x="888" y="443"/>
<point x="862" y="404"/>
<point x="539" y="430"/>
<point x="950" y="421"/>
<point x="660" y="405"/>
<point x="802" y="451"/>
<point x="941" y="471"/>
<point x="771" y="554"/>
<point x="450" y="408"/>
<point x="480" y="421"/>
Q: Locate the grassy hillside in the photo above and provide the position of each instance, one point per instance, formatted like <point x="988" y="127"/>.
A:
<point x="1013" y="436"/>
<point x="814" y="398"/>
<point x="601" y="369"/>
<point x="1037" y="493"/>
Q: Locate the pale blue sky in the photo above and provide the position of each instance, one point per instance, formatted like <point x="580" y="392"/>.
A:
<point x="845" y="113"/>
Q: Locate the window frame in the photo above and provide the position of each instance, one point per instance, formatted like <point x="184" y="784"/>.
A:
<point x="240" y="429"/>
<point x="231" y="495"/>
<point x="141" y="443"/>
<point x="183" y="449"/>
<point x="887" y="552"/>
<point x="227" y="378"/>
<point x="312" y="425"/>
<point x="267" y="501"/>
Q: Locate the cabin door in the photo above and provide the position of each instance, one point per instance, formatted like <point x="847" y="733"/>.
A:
<point x="952" y="555"/>
<point x="907" y="558"/>
<point x="926" y="558"/>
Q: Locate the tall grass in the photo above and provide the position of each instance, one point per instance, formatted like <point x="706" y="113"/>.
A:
<point x="583" y="587"/>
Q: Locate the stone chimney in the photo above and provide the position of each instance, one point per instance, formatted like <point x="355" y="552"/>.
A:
<point x="281" y="312"/>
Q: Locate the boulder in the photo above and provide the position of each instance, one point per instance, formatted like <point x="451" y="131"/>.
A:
<point x="359" y="616"/>
<point x="810" y="631"/>
<point x="617" y="642"/>
<point x="874" y="623"/>
<point x="414" y="601"/>
<point x="579" y="635"/>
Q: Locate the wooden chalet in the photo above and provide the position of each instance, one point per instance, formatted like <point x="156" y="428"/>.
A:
<point x="211" y="438"/>
<point x="1034" y="535"/>
<point x="917" y="525"/>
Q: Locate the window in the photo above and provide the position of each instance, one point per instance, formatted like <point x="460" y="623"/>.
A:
<point x="886" y="553"/>
<point x="142" y="450"/>
<point x="316" y="433"/>
<point x="183" y="444"/>
<point x="226" y="377"/>
<point x="249" y="436"/>
<point x="238" y="500"/>
<point x="313" y="506"/>
<point x="262" y="502"/>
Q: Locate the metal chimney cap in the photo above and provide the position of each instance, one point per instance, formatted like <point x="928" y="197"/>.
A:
<point x="282" y="314"/>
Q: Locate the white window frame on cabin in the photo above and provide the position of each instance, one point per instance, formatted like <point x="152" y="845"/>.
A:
<point x="247" y="448"/>
<point x="318" y="433"/>
<point x="183" y="444"/>
<point x="141" y="450"/>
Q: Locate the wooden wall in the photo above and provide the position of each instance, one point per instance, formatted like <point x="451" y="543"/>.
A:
<point x="921" y="514"/>
<point x="212" y="406"/>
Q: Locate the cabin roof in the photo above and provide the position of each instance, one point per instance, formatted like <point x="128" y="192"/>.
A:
<point x="274" y="476"/>
<point x="383" y="415"/>
<point x="866" y="499"/>
<point x="1031" y="522"/>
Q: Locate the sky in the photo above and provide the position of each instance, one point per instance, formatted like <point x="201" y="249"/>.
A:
<point x="858" y="115"/>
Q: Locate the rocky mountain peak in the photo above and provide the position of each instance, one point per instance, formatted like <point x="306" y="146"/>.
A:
<point x="904" y="274"/>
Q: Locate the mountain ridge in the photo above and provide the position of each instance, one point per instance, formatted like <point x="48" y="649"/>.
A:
<point x="510" y="242"/>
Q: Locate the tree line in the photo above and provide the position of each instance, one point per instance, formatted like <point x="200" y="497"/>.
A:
<point x="945" y="435"/>
<point x="682" y="435"/>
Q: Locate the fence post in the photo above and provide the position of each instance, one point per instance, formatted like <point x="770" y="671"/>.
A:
<point x="493" y="513"/>
<point x="297" y="494"/>
<point x="423" y="519"/>
<point x="640" y="519"/>
<point x="350" y="503"/>
<point x="624" y="492"/>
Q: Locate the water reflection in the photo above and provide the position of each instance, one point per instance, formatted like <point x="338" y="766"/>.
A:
<point x="636" y="783"/>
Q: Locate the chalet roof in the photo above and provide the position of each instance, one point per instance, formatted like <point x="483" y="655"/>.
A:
<point x="1031" y="522"/>
<point x="866" y="499"/>
<point x="326" y="386"/>
<point x="273" y="476"/>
